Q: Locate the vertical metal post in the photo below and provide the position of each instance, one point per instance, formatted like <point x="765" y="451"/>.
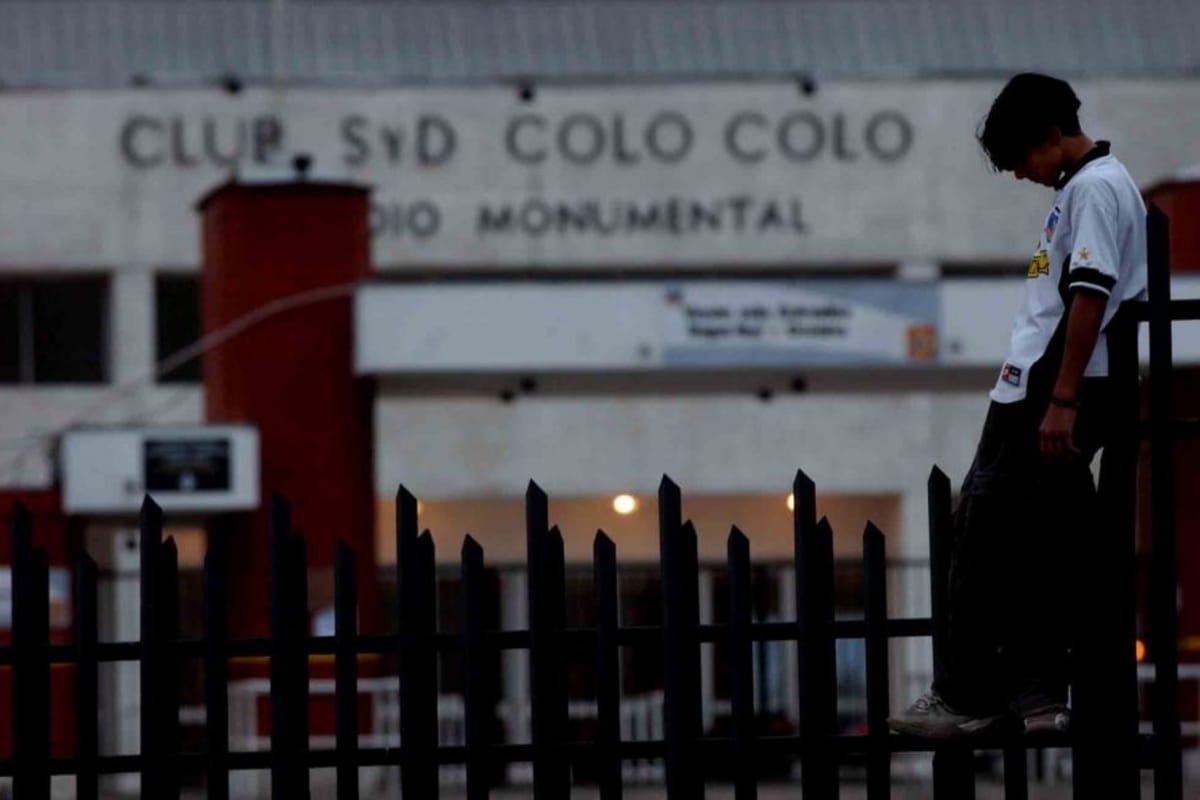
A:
<point x="813" y="551"/>
<point x="953" y="768"/>
<point x="39" y="683"/>
<point x="297" y="658"/>
<point x="474" y="670"/>
<point x="166" y="704"/>
<point x="681" y="622"/>
<point x="23" y="712"/>
<point x="879" y="778"/>
<point x="1164" y="578"/>
<point x="87" y="695"/>
<point x="41" y="671"/>
<point x="24" y="705"/>
<point x="416" y="622"/>
<point x="285" y="718"/>
<point x="741" y="666"/>
<point x="1118" y="499"/>
<point x="31" y="668"/>
<point x="1104" y="684"/>
<point x="151" y="652"/>
<point x="608" y="677"/>
<point x="1016" y="772"/>
<point x="345" y="603"/>
<point x="216" y="664"/>
<point x="1106" y="689"/>
<point x="547" y="663"/>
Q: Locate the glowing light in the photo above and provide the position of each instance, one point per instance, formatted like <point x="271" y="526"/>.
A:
<point x="1141" y="651"/>
<point x="791" y="501"/>
<point x="625" y="504"/>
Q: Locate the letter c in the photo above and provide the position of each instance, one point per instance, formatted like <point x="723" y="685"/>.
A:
<point x="129" y="139"/>
<point x="734" y="144"/>
<point x="513" y="142"/>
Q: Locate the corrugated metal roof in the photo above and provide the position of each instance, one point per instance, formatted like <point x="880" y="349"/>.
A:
<point x="107" y="43"/>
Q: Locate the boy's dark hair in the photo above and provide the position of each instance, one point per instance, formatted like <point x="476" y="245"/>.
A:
<point x="1024" y="115"/>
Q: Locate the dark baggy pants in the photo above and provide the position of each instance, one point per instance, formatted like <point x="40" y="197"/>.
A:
<point x="1020" y="533"/>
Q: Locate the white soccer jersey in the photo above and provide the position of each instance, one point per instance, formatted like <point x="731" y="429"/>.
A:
<point x="1094" y="239"/>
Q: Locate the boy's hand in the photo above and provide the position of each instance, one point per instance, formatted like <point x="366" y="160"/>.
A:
<point x="1056" y="436"/>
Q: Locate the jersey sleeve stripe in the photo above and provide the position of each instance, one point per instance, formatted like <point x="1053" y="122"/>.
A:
<point x="1094" y="277"/>
<point x="1090" y="287"/>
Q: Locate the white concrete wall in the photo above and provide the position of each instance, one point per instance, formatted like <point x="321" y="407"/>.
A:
<point x="464" y="447"/>
<point x="112" y="177"/>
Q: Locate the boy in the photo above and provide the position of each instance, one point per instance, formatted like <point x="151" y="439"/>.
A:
<point x="1029" y="491"/>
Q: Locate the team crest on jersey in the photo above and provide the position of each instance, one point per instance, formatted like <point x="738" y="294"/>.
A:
<point x="1052" y="223"/>
<point x="1011" y="375"/>
<point x="1040" y="265"/>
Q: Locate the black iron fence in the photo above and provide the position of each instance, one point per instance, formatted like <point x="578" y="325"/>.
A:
<point x="1109" y="753"/>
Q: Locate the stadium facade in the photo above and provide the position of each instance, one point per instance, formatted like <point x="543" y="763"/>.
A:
<point x="610" y="240"/>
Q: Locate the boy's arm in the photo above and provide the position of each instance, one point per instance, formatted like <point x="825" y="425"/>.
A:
<point x="1092" y="275"/>
<point x="1083" y="329"/>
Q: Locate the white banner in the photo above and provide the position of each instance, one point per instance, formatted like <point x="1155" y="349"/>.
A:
<point x="835" y="324"/>
<point x="641" y="327"/>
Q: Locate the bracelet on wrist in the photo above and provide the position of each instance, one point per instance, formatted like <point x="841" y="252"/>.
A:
<point x="1063" y="402"/>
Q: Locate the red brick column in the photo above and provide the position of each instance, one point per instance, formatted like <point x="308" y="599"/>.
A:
<point x="281" y="251"/>
<point x="1180" y="201"/>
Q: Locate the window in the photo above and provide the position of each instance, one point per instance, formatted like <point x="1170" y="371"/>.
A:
<point x="53" y="330"/>
<point x="177" y="323"/>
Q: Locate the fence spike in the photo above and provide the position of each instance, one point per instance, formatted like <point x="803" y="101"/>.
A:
<point x="474" y="670"/>
<point x="31" y="668"/>
<point x="417" y="624"/>
<point x="24" y="713"/>
<point x="669" y="491"/>
<point x="345" y="604"/>
<point x="289" y="661"/>
<point x="936" y="475"/>
<point x="406" y="521"/>
<point x="297" y="657"/>
<point x="534" y="493"/>
<point x="875" y="586"/>
<point x="150" y="650"/>
<point x="953" y="767"/>
<point x="216" y="664"/>
<point x="804" y="499"/>
<point x="608" y="675"/>
<point x="681" y="658"/>
<point x="166" y="703"/>
<point x="741" y="667"/>
<point x="151" y="507"/>
<point x="814" y="635"/>
<point x="41" y="686"/>
<point x="1164" y="573"/>
<point x="87" y="684"/>
<point x="547" y="664"/>
<point x="817" y="653"/>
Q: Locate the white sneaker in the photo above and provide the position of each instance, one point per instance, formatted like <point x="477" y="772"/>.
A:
<point x="1051" y="719"/>
<point x="931" y="718"/>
